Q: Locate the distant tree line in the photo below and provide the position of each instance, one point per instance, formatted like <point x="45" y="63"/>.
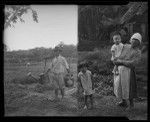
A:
<point x="38" y="54"/>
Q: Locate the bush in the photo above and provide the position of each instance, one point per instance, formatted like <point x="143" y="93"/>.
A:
<point x="99" y="61"/>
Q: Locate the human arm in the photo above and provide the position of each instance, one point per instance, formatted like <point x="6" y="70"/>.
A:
<point x="51" y="65"/>
<point x="79" y="84"/>
<point x="66" y="65"/>
<point x="92" y="79"/>
<point x="130" y="63"/>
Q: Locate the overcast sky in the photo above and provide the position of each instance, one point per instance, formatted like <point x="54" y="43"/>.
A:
<point x="56" y="23"/>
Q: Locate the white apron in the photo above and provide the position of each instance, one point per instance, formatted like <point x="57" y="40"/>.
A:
<point x="122" y="83"/>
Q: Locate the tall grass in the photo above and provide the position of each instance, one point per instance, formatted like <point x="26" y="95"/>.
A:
<point x="98" y="60"/>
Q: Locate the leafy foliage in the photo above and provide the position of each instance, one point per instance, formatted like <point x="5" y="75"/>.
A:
<point x="97" y="22"/>
<point x="15" y="12"/>
<point x="98" y="60"/>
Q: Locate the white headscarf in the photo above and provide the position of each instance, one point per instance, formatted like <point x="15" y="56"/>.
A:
<point x="136" y="36"/>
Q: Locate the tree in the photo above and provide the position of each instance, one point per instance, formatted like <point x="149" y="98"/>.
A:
<point x="97" y="22"/>
<point x="14" y="13"/>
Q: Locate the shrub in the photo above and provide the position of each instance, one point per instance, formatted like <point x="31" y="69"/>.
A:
<point x="99" y="61"/>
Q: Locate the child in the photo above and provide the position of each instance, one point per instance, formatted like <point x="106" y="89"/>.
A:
<point x="85" y="77"/>
<point x="116" y="50"/>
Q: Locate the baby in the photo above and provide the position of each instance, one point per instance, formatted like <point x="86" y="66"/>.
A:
<point x="116" y="50"/>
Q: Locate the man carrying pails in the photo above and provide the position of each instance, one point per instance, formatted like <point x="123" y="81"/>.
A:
<point x="59" y="68"/>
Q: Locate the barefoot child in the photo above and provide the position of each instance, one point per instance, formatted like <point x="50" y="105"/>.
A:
<point x="85" y="77"/>
<point x="116" y="50"/>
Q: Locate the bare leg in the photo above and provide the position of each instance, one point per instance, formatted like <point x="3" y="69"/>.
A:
<point x="115" y="70"/>
<point x="131" y="105"/>
<point x="131" y="102"/>
<point x="85" y="100"/>
<point x="123" y="103"/>
<point x="91" y="100"/>
<point x="56" y="93"/>
<point x="62" y="92"/>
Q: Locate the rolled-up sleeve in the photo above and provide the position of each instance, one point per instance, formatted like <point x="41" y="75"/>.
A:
<point x="134" y="61"/>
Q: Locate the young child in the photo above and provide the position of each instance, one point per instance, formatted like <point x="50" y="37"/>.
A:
<point x="116" y="50"/>
<point x="85" y="77"/>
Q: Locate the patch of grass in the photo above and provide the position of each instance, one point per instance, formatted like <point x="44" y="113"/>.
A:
<point x="12" y="93"/>
<point x="16" y="81"/>
<point x="42" y="88"/>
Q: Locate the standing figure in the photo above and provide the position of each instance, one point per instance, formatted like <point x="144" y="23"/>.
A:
<point x="116" y="50"/>
<point x="59" y="68"/>
<point x="85" y="77"/>
<point x="125" y="87"/>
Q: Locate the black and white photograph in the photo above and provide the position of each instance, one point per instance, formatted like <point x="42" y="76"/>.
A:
<point x="76" y="60"/>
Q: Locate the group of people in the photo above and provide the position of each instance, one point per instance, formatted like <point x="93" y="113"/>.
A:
<point x="124" y="56"/>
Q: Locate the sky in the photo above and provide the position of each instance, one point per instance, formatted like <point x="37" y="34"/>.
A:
<point x="56" y="23"/>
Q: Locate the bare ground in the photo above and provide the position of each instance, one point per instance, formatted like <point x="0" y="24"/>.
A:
<point x="44" y="104"/>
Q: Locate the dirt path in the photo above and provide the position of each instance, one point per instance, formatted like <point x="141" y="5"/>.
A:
<point x="43" y="104"/>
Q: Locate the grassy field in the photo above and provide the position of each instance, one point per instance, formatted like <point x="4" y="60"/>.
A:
<point x="25" y="99"/>
<point x="17" y="84"/>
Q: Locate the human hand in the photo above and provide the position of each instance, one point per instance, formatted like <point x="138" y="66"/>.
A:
<point x="48" y="70"/>
<point x="118" y="62"/>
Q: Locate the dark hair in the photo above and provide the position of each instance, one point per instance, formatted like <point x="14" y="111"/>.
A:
<point x="57" y="49"/>
<point x="115" y="33"/>
<point x="81" y="65"/>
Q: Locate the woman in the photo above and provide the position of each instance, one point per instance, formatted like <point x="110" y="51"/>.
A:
<point x="125" y="86"/>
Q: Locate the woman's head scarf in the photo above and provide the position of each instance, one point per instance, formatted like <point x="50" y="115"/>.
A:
<point x="136" y="36"/>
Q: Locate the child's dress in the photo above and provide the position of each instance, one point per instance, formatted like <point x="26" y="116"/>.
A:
<point x="86" y="82"/>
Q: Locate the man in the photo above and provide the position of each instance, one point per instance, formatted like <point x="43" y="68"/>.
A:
<point x="59" y="67"/>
